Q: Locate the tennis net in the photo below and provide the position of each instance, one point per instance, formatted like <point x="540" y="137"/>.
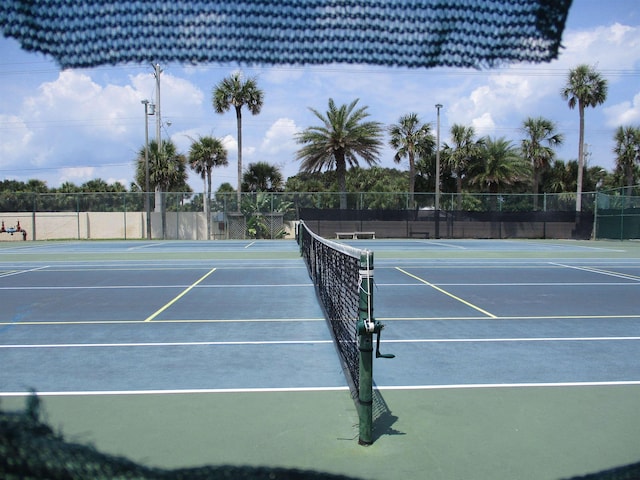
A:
<point x="334" y="268"/>
<point x="343" y="277"/>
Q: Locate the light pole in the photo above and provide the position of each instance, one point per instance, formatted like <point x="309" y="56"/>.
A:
<point x="438" y="107"/>
<point x="149" y="109"/>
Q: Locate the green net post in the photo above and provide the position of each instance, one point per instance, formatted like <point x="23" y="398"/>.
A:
<point x="299" y="233"/>
<point x="366" y="325"/>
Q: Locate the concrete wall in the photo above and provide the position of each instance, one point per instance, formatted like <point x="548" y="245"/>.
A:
<point x="112" y="225"/>
<point x="106" y="225"/>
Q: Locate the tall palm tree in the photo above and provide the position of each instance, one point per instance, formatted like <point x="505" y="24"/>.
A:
<point x="585" y="87"/>
<point x="204" y="155"/>
<point x="235" y="92"/>
<point x="343" y="137"/>
<point x="411" y="140"/>
<point x="167" y="171"/>
<point x="500" y="165"/>
<point x="627" y="150"/>
<point x="459" y="156"/>
<point x="537" y="148"/>
<point x="262" y="177"/>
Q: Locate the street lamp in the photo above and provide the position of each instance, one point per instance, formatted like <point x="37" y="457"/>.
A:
<point x="149" y="109"/>
<point x="438" y="107"/>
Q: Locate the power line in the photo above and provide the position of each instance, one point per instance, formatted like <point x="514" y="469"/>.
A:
<point x="42" y="67"/>
<point x="67" y="167"/>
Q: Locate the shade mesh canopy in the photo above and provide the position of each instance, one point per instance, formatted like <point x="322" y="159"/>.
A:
<point x="408" y="33"/>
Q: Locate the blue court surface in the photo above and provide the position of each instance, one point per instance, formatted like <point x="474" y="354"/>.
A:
<point x="514" y="359"/>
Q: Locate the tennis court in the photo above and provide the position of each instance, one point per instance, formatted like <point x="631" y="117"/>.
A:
<point x="514" y="359"/>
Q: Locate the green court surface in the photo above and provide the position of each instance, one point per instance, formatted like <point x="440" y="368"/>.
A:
<point x="528" y="433"/>
<point x="514" y="360"/>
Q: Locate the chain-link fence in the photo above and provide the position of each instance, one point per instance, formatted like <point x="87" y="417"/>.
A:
<point x="618" y="214"/>
<point x="123" y="215"/>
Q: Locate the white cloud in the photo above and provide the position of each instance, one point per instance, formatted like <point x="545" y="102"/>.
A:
<point x="497" y="101"/>
<point x="614" y="46"/>
<point x="123" y="181"/>
<point x="624" y="113"/>
<point x="15" y="137"/>
<point x="280" y="137"/>
<point x="75" y="102"/>
<point x="484" y="125"/>
<point x="77" y="175"/>
<point x="180" y="98"/>
<point x="231" y="145"/>
<point x="73" y="120"/>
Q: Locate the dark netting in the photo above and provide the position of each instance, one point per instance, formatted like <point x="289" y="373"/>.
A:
<point x="30" y="450"/>
<point x="411" y="33"/>
<point x="335" y="271"/>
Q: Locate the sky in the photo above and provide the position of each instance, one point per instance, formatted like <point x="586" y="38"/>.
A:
<point x="77" y="125"/>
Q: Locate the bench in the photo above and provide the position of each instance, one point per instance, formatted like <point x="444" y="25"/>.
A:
<point x="421" y="233"/>
<point x="355" y="235"/>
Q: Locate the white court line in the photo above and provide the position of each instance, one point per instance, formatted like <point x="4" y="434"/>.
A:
<point x="442" y="244"/>
<point x="131" y="287"/>
<point x="516" y="284"/>
<point x="19" y="272"/>
<point x="523" y="339"/>
<point x="599" y="271"/>
<point x="176" y="392"/>
<point x="312" y="342"/>
<point x="142" y="322"/>
<point x="164" y="344"/>
<point x="148" y="245"/>
<point x="508" y="385"/>
<point x="513" y="317"/>
<point x="381" y="388"/>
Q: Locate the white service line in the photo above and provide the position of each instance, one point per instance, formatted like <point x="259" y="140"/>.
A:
<point x="173" y="392"/>
<point x="599" y="271"/>
<point x="164" y="344"/>
<point x="508" y="385"/>
<point x="19" y="272"/>
<point x="522" y="339"/>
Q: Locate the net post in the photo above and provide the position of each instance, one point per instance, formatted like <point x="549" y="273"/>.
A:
<point x="365" y="345"/>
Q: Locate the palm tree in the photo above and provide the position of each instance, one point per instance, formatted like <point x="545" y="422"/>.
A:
<point x="559" y="177"/>
<point x="411" y="140"/>
<point x="204" y="155"/>
<point x="537" y="148"/>
<point x="463" y="151"/>
<point x="69" y="187"/>
<point x="500" y="165"/>
<point x="627" y="150"/>
<point x="167" y="171"/>
<point x="233" y="91"/>
<point x="340" y="140"/>
<point x="585" y="87"/>
<point x="36" y="186"/>
<point x="262" y="177"/>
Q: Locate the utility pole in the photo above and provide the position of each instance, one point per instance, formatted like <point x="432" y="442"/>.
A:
<point x="148" y="110"/>
<point x="159" y="194"/>
<point x="437" y="209"/>
<point x="156" y="72"/>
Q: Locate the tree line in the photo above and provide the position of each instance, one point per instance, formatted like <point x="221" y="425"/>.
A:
<point x="331" y="151"/>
